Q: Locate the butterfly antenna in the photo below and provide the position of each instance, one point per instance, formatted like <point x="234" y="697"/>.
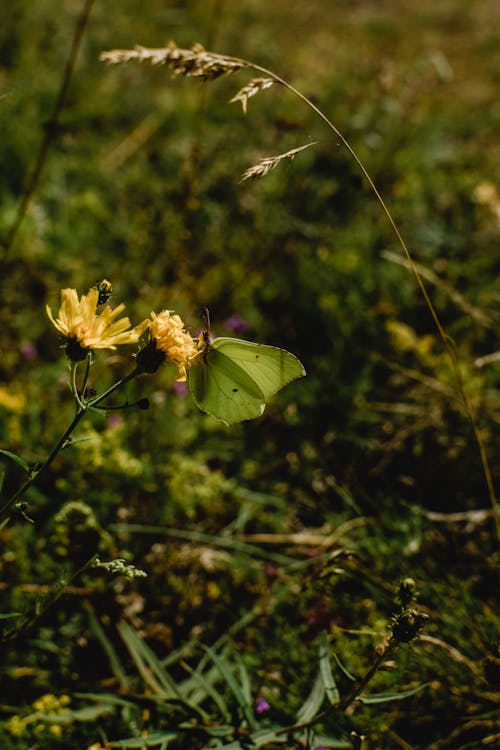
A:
<point x="206" y="316"/>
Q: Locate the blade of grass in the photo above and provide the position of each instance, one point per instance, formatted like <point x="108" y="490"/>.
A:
<point x="331" y="689"/>
<point x="226" y="672"/>
<point x="197" y="536"/>
<point x="313" y="702"/>
<point x="393" y="696"/>
<point x="206" y="688"/>
<point x="148" y="664"/>
<point x="114" y="660"/>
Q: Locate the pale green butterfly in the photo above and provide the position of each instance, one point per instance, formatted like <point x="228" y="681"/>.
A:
<point x="232" y="379"/>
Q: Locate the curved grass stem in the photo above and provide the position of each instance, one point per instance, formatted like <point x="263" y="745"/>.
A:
<point x="448" y="343"/>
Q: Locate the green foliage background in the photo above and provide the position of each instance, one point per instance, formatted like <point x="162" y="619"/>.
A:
<point x="367" y="454"/>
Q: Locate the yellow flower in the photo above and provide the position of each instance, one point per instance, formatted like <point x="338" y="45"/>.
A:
<point x="166" y="331"/>
<point x="16" y="725"/>
<point x="84" y="329"/>
<point x="47" y="704"/>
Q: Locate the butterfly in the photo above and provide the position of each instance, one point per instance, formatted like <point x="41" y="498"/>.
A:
<point x="233" y="379"/>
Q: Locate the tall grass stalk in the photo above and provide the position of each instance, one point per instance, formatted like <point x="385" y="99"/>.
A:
<point x="51" y="127"/>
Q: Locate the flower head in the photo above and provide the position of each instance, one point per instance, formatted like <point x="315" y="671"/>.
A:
<point x="169" y="340"/>
<point x="85" y="329"/>
<point x="261" y="705"/>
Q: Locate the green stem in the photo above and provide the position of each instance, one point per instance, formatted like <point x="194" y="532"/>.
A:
<point x="50" y="128"/>
<point x="97" y="400"/>
<point x="39" y="610"/>
<point x="350" y="697"/>
<point x="73" y="385"/>
<point x="5" y="510"/>
<point x="81" y="410"/>
<point x="363" y="682"/>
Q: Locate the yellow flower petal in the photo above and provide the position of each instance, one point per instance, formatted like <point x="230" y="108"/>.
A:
<point x="79" y="321"/>
<point x="167" y="331"/>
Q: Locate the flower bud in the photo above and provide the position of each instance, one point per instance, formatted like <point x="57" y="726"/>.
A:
<point x="407" y="625"/>
<point x="407" y="591"/>
<point x="150" y="358"/>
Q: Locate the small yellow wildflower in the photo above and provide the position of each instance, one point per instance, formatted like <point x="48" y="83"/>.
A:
<point x="167" y="335"/>
<point x="16" y="725"/>
<point x="12" y="401"/>
<point x="84" y="329"/>
<point x="46" y="704"/>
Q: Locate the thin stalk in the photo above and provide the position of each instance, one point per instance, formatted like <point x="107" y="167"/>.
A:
<point x="81" y="409"/>
<point x="53" y="595"/>
<point x="73" y="385"/>
<point x="86" y="374"/>
<point x="97" y="400"/>
<point x="50" y="129"/>
<point x="359" y="687"/>
<point x="5" y="510"/>
<point x="350" y="697"/>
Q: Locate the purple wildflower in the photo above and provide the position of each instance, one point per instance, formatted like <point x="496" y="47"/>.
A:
<point x="236" y="324"/>
<point x="261" y="705"/>
<point x="29" y="350"/>
<point x="114" y="421"/>
<point x="180" y="388"/>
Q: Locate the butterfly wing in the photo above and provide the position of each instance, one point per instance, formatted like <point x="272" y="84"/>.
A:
<point x="269" y="367"/>
<point x="223" y="389"/>
<point x="232" y="379"/>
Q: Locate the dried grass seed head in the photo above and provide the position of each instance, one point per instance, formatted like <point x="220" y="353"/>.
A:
<point x="252" y="88"/>
<point x="270" y="162"/>
<point x="194" y="62"/>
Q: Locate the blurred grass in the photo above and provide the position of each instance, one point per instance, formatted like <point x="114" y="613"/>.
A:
<point x="142" y="187"/>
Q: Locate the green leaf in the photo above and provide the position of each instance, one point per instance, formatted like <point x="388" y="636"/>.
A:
<point x="225" y="670"/>
<point x="88" y="713"/>
<point x="106" y="698"/>
<point x="332" y="743"/>
<point x="82" y="439"/>
<point x="17" y="459"/>
<point x="149" y="666"/>
<point x="8" y="615"/>
<point x="108" y="647"/>
<point x="331" y="689"/>
<point x="246" y="686"/>
<point x="257" y="739"/>
<point x="313" y="702"/>
<point x="207" y="689"/>
<point x="277" y="736"/>
<point x="156" y="739"/>
<point x="343" y="669"/>
<point x="387" y="697"/>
